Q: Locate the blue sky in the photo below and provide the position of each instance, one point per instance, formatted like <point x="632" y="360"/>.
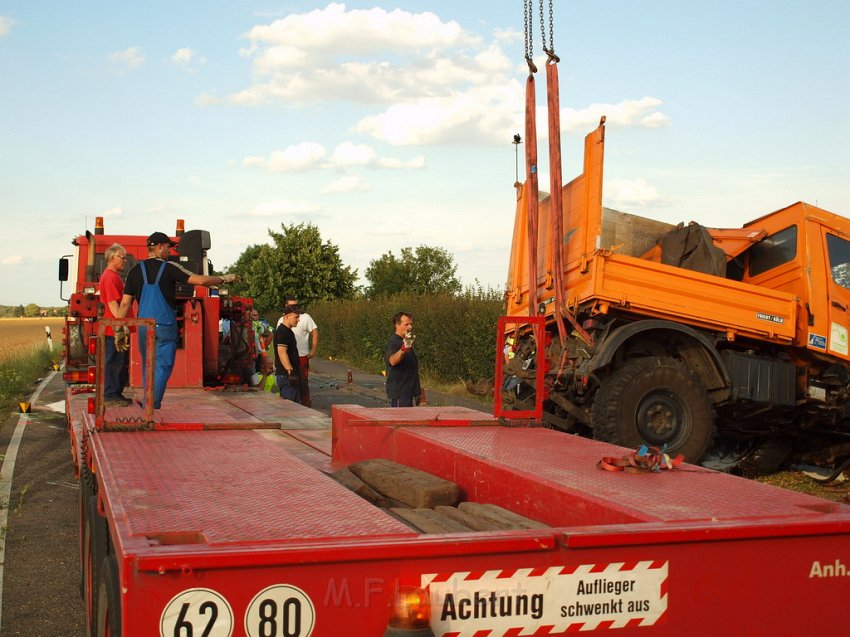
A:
<point x="389" y="124"/>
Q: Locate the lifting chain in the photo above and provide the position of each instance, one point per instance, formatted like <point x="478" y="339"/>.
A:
<point x="528" y="24"/>
<point x="528" y="21"/>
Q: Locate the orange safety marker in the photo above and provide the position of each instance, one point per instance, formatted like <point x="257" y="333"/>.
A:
<point x="24" y="407"/>
<point x="350" y="377"/>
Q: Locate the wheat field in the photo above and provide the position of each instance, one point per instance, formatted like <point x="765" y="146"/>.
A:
<point x="20" y="335"/>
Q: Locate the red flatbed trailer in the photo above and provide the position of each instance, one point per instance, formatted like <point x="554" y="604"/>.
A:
<point x="222" y="521"/>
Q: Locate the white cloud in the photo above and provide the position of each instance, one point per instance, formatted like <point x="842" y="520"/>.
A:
<point x="486" y="114"/>
<point x="187" y="58"/>
<point x="349" y="183"/>
<point x="635" y="113"/>
<point x="128" y="59"/>
<point x="281" y="208"/>
<point x="625" y="194"/>
<point x="296" y="158"/>
<point x="370" y="56"/>
<point x="112" y="212"/>
<point x="426" y="81"/>
<point x="394" y="164"/>
<point x="6" y="24"/>
<point x="14" y="259"/>
<point x="348" y="154"/>
<point x="315" y="34"/>
<point x="311" y="156"/>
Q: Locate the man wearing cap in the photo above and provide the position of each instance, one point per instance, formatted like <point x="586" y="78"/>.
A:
<point x="286" y="363"/>
<point x="152" y="283"/>
<point x="307" y="337"/>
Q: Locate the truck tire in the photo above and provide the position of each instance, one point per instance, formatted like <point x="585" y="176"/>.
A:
<point x="95" y="545"/>
<point x="108" y="599"/>
<point x="657" y="401"/>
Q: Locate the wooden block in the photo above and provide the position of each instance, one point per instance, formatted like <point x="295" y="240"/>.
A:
<point x="519" y="521"/>
<point x="429" y="521"/>
<point x="474" y="522"/>
<point x="405" y="484"/>
<point x="350" y="481"/>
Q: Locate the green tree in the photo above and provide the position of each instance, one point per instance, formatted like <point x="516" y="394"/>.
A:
<point x="32" y="310"/>
<point x="425" y="270"/>
<point x="297" y="263"/>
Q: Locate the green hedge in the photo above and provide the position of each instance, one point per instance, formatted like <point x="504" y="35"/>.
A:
<point x="455" y="335"/>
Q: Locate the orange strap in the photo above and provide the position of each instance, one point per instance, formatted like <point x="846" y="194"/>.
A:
<point x="644" y="459"/>
<point x="532" y="194"/>
<point x="556" y="203"/>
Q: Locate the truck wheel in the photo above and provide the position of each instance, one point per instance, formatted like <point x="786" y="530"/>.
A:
<point x="95" y="541"/>
<point x="83" y="540"/>
<point x="108" y="600"/>
<point x="656" y="401"/>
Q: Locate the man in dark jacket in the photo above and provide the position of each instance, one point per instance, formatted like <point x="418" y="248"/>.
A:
<point x="402" y="365"/>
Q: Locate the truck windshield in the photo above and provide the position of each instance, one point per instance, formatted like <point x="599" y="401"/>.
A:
<point x="839" y="259"/>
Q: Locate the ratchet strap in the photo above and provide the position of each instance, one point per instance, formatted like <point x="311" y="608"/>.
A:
<point x="644" y="459"/>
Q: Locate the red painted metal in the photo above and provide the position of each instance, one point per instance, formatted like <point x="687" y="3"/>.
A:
<point x="243" y="511"/>
<point x="538" y="325"/>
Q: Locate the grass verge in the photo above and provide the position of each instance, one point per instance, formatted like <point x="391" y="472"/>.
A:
<point x="18" y="373"/>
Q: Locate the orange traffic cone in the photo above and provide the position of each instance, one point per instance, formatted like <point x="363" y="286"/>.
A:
<point x="350" y="377"/>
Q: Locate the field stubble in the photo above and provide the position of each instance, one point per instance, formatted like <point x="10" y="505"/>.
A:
<point x="20" y="336"/>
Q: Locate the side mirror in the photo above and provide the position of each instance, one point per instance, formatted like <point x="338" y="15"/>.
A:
<point x="63" y="274"/>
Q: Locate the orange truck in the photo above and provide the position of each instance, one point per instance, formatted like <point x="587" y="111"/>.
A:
<point x="729" y="346"/>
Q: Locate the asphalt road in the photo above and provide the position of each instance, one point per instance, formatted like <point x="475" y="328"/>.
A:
<point x="40" y="585"/>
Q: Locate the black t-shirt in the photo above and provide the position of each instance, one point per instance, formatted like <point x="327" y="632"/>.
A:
<point x="285" y="336"/>
<point x="172" y="275"/>
<point x="403" y="379"/>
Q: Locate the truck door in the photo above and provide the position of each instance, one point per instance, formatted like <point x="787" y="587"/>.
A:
<point x="837" y="257"/>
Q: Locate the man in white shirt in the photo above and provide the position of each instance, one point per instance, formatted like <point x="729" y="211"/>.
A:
<point x="307" y="338"/>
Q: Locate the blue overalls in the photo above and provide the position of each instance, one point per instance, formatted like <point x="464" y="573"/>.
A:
<point x="152" y="304"/>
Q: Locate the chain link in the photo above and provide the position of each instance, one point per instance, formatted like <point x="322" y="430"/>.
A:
<point x="542" y="27"/>
<point x="551" y="28"/>
<point x="528" y="26"/>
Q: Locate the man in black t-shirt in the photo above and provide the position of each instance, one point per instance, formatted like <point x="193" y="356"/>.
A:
<point x="402" y="365"/>
<point x="286" y="361"/>
<point x="152" y="283"/>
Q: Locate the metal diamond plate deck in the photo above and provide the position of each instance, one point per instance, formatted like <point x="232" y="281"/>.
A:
<point x="687" y="493"/>
<point x="433" y="415"/>
<point x="228" y="487"/>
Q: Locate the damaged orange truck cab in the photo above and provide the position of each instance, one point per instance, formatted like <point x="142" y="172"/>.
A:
<point x="681" y="332"/>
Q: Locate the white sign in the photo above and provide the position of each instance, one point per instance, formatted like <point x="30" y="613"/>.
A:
<point x="585" y="597"/>
<point x="838" y="339"/>
<point x="280" y="611"/>
<point x="197" y="611"/>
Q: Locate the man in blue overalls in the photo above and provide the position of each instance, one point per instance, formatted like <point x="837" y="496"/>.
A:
<point x="152" y="283"/>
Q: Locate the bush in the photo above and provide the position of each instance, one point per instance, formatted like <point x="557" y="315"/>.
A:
<point x="455" y="335"/>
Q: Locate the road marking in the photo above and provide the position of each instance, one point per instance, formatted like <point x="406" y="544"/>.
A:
<point x="6" y="473"/>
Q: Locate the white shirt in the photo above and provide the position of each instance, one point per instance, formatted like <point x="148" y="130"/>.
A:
<point x="302" y="332"/>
